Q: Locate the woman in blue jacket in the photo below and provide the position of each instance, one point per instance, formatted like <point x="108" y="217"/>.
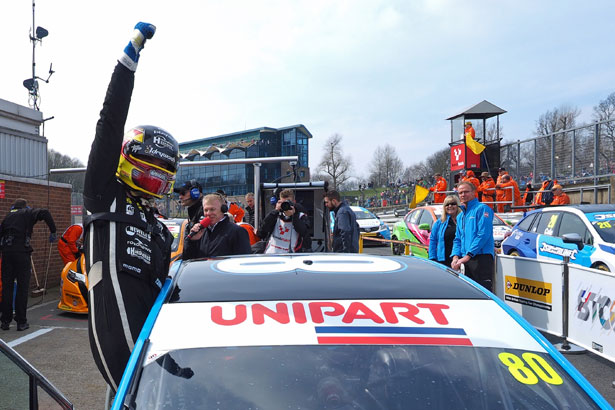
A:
<point x="443" y="232"/>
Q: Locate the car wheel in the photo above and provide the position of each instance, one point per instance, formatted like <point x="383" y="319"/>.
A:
<point x="395" y="246"/>
<point x="514" y="252"/>
<point x="601" y="266"/>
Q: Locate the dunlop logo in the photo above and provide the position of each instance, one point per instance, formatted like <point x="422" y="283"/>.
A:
<point x="529" y="289"/>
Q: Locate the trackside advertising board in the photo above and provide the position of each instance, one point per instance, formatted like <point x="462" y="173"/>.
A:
<point x="591" y="316"/>
<point x="533" y="289"/>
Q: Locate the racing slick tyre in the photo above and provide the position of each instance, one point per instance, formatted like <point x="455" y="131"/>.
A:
<point x="395" y="247"/>
<point x="601" y="266"/>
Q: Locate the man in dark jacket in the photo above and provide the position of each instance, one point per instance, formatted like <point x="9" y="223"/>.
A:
<point x="221" y="237"/>
<point x="249" y="215"/>
<point x="127" y="249"/>
<point x="345" y="229"/>
<point x="191" y="196"/>
<point x="286" y="227"/>
<point x="15" y="238"/>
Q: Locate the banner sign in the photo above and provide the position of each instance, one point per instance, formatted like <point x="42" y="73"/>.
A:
<point x="462" y="158"/>
<point x="591" y="315"/>
<point x="533" y="289"/>
<point x="2" y="184"/>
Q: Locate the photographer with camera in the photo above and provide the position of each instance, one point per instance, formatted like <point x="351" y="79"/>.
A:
<point x="285" y="229"/>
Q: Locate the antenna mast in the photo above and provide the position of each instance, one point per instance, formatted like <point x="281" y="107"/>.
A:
<point x="36" y="35"/>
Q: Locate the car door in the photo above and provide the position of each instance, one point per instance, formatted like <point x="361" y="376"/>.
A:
<point x="523" y="239"/>
<point x="411" y="220"/>
<point x="547" y="243"/>
<point x="24" y="387"/>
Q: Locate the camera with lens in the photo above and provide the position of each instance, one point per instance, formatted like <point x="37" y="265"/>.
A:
<point x="286" y="205"/>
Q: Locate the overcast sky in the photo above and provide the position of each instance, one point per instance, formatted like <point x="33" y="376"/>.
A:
<point x="375" y="72"/>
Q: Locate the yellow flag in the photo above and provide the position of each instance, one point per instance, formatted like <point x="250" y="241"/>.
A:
<point x="475" y="147"/>
<point x="420" y="194"/>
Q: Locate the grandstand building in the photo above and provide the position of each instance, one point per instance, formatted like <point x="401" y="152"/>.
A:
<point x="238" y="179"/>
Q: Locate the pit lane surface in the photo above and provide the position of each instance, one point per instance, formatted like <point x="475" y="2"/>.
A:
<point x="57" y="345"/>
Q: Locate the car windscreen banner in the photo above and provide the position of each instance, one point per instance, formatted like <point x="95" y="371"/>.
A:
<point x="336" y="322"/>
<point x="533" y="289"/>
<point x="591" y="316"/>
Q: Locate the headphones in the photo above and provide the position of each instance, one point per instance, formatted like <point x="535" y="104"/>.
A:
<point x="195" y="191"/>
<point x="224" y="206"/>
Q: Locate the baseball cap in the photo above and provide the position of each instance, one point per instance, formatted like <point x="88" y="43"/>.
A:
<point x="484" y="174"/>
<point x="187" y="186"/>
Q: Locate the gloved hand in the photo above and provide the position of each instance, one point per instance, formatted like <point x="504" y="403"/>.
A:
<point x="53" y="237"/>
<point x="185" y="372"/>
<point x="130" y="56"/>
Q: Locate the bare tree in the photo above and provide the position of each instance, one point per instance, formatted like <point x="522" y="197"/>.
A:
<point x="605" y="110"/>
<point x="58" y="160"/>
<point x="560" y="118"/>
<point x="334" y="165"/>
<point x="550" y="123"/>
<point x="386" y="166"/>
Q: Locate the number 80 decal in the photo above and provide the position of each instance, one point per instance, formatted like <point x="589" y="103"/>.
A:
<point x="538" y="368"/>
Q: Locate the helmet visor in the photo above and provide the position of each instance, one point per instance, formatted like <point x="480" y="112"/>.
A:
<point x="150" y="178"/>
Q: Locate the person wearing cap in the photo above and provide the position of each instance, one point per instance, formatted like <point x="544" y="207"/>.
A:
<point x="439" y="189"/>
<point x="487" y="189"/>
<point x="469" y="130"/>
<point x="559" y="196"/>
<point x="470" y="177"/>
<point x="191" y="197"/>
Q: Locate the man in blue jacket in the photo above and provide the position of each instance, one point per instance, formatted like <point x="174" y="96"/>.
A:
<point x="473" y="244"/>
<point x="345" y="229"/>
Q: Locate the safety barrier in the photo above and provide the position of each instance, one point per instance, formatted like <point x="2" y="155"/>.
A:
<point x="407" y="244"/>
<point x="566" y="300"/>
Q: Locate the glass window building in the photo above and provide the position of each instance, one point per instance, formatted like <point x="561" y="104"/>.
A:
<point x="238" y="179"/>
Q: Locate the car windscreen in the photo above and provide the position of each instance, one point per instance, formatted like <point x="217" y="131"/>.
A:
<point x="367" y="377"/>
<point x="604" y="224"/>
<point x="364" y="215"/>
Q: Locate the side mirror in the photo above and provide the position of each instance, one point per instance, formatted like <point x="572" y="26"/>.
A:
<point x="425" y="227"/>
<point x="574" y="238"/>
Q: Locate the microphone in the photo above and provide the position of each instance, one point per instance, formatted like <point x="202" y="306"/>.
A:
<point x="204" y="223"/>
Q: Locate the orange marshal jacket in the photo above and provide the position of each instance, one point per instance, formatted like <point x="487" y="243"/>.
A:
<point x="438" y="189"/>
<point x="487" y="189"/>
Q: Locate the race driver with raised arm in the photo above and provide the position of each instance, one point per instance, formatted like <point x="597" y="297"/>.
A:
<point x="127" y="248"/>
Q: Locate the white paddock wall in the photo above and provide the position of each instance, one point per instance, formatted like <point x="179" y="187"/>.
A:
<point x="535" y="290"/>
<point x="591" y="317"/>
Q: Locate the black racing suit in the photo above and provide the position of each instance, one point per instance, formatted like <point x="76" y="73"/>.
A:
<point x="127" y="248"/>
<point x="15" y="241"/>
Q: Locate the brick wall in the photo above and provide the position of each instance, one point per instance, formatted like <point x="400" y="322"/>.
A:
<point x="56" y="198"/>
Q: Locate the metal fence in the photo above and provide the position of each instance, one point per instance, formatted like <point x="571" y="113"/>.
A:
<point x="582" y="154"/>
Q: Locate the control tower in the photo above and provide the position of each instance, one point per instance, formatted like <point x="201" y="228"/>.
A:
<point x="487" y="133"/>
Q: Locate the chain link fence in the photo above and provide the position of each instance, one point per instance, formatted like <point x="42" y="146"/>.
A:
<point x="582" y="154"/>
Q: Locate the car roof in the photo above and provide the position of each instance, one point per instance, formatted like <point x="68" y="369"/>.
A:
<point x="360" y="209"/>
<point x="318" y="276"/>
<point x="588" y="209"/>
